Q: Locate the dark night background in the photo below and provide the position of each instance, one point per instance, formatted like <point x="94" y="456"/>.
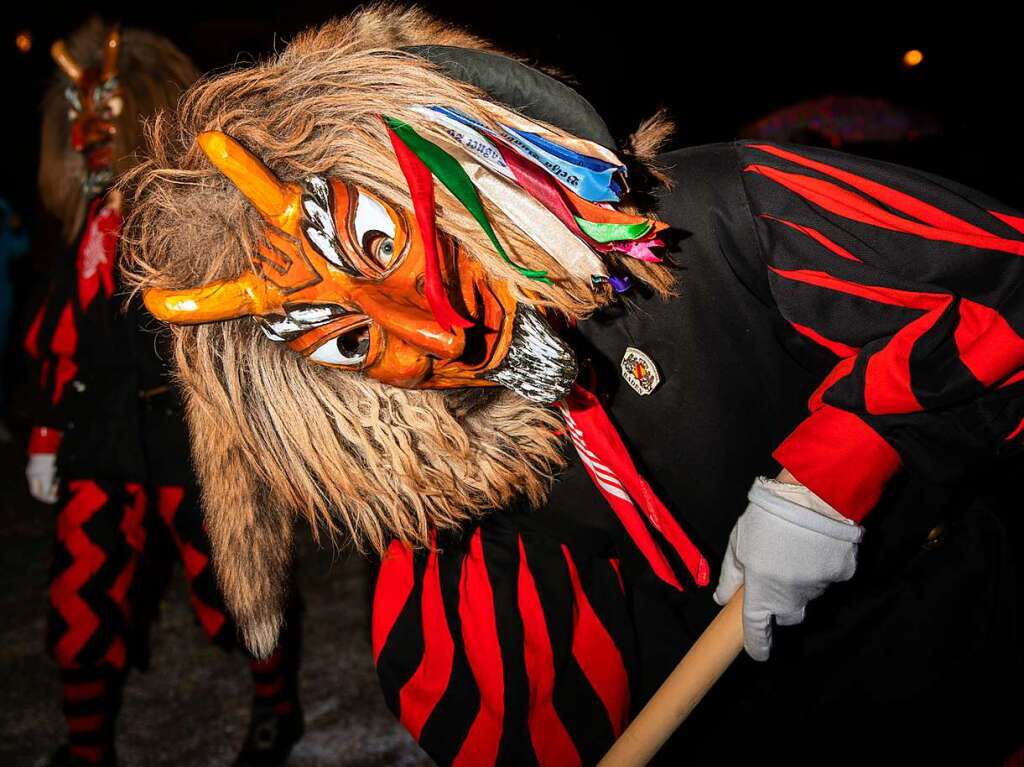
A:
<point x="716" y="67"/>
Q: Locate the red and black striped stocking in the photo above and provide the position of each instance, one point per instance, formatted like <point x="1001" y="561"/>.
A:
<point x="91" y="698"/>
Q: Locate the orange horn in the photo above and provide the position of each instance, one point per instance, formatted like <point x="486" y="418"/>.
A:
<point x="110" y="53"/>
<point x="223" y="300"/>
<point x="277" y="202"/>
<point x="61" y="54"/>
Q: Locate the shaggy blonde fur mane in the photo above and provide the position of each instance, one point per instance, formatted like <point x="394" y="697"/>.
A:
<point x="276" y="437"/>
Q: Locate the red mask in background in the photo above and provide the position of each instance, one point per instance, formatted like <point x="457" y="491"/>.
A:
<point x="94" y="104"/>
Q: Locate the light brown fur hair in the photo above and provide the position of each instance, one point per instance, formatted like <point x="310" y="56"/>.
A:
<point x="274" y="436"/>
<point x="153" y="74"/>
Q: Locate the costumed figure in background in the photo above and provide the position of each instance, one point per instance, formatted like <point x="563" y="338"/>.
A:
<point x="417" y="300"/>
<point x="110" y="445"/>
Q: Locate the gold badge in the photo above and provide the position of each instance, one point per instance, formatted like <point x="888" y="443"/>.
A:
<point x="640" y="371"/>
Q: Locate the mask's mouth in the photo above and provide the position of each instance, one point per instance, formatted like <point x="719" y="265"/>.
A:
<point x="99" y="156"/>
<point x="99" y="175"/>
<point x="538" y="365"/>
<point x="97" y="181"/>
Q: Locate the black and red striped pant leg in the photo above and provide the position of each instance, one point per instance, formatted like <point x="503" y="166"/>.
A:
<point x="504" y="648"/>
<point x="99" y="537"/>
<point x="275" y="679"/>
<point x="178" y="507"/>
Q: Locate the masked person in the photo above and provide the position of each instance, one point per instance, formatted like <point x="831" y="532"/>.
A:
<point x="110" y="447"/>
<point x="564" y="388"/>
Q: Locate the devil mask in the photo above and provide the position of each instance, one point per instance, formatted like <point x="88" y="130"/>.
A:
<point x="342" y="278"/>
<point x="94" y="104"/>
<point x="352" y="282"/>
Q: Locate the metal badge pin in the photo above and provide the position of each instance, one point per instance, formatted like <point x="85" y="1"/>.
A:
<point x="640" y="371"/>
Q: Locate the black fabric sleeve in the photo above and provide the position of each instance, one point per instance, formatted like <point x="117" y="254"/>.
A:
<point x="911" y="284"/>
<point x="50" y="336"/>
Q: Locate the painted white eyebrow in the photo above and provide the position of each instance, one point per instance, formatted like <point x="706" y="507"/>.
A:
<point x="71" y="94"/>
<point x="316" y="212"/>
<point x="268" y="332"/>
<point x="299" y="320"/>
<point x="312" y="315"/>
<point x="317" y="201"/>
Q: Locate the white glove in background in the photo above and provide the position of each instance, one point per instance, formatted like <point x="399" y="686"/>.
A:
<point x="41" y="473"/>
<point x="787" y="553"/>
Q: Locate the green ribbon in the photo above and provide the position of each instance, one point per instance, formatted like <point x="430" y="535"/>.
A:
<point x="448" y="171"/>
<point x="613" y="232"/>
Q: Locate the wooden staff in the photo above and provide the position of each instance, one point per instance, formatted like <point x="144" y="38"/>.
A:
<point x="678" y="695"/>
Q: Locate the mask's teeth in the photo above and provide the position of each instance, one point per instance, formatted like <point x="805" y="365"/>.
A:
<point x="96" y="181"/>
<point x="539" y="365"/>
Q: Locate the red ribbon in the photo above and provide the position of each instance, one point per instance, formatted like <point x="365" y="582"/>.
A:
<point x="610" y="467"/>
<point x="97" y="253"/>
<point x="542" y="188"/>
<point x="421" y="187"/>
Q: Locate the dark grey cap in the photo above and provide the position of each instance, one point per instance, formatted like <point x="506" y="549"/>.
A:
<point x="521" y="87"/>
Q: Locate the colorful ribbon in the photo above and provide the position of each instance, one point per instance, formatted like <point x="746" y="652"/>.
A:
<point x="543" y="188"/>
<point x="556" y="189"/>
<point x="421" y="188"/>
<point x="641" y="249"/>
<point x="591" y="178"/>
<point x="470" y="139"/>
<point x="583" y="146"/>
<point x="605" y="233"/>
<point x="533" y="219"/>
<point x="448" y="171"/>
<point x="596" y="221"/>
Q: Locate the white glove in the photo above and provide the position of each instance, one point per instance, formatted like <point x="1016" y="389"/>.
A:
<point x="41" y="473"/>
<point x="788" y="546"/>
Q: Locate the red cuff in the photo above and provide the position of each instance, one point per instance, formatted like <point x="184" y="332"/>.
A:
<point x="43" y="439"/>
<point x="841" y="459"/>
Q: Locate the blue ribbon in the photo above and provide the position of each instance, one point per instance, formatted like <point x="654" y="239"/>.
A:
<point x="591" y="178"/>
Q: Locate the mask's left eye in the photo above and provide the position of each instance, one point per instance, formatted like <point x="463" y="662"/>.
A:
<point x="375" y="232"/>
<point x="350" y="348"/>
<point x="380" y="248"/>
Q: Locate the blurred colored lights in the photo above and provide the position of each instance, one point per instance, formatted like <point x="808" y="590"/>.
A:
<point x="23" y="41"/>
<point x="913" y="57"/>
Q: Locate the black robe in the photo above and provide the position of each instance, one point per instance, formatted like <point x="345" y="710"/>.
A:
<point x="853" y="321"/>
<point x="103" y="376"/>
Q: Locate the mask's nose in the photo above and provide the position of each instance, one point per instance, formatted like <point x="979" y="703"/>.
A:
<point x="89" y="131"/>
<point x="416" y="327"/>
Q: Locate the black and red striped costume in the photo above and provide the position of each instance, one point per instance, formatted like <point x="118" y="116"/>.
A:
<point x="858" y="323"/>
<point x="128" y="503"/>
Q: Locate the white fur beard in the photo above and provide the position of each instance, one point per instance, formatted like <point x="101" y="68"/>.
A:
<point x="539" y="366"/>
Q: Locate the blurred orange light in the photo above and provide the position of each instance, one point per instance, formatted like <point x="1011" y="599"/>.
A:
<point x="913" y="57"/>
<point x="23" y="41"/>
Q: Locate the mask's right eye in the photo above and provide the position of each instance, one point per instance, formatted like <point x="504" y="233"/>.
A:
<point x="349" y="349"/>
